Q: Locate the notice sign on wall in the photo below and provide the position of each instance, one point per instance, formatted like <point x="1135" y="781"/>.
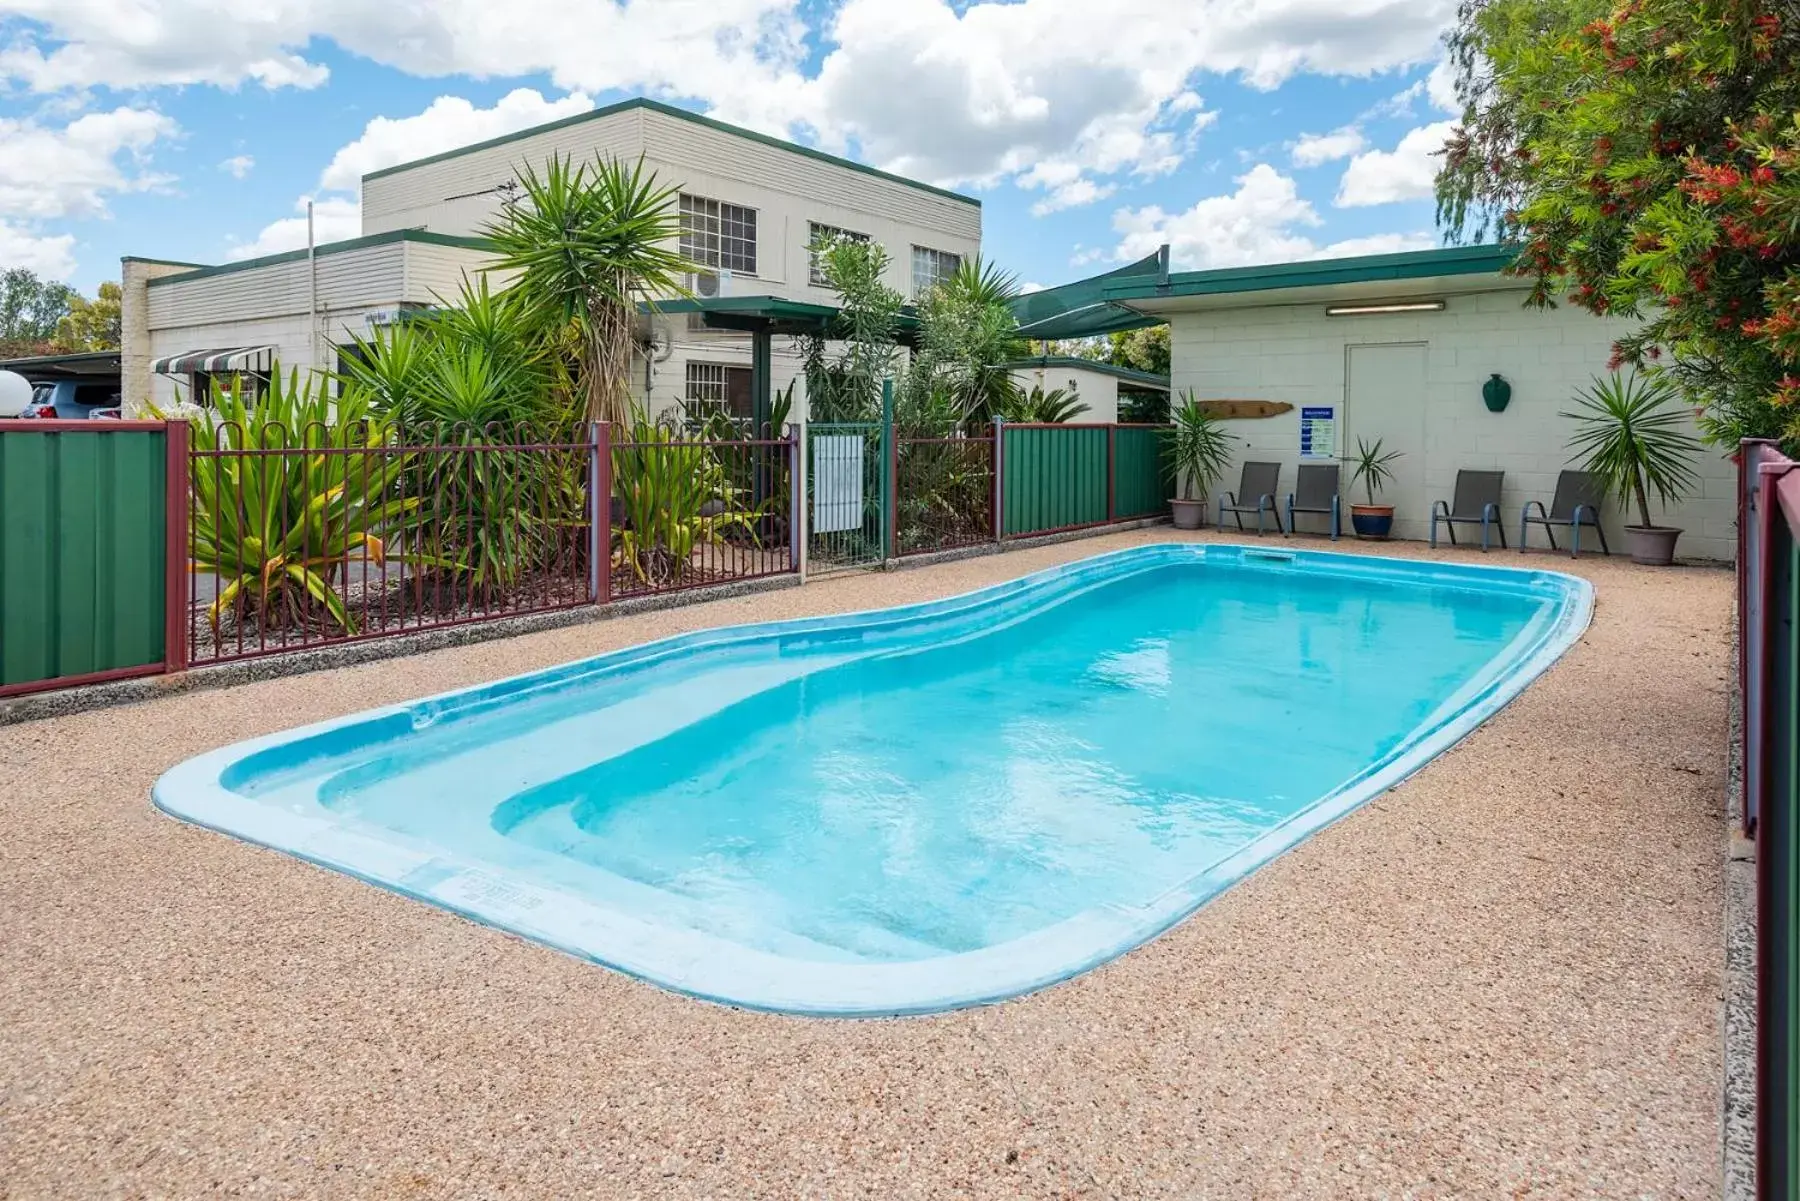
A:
<point x="1318" y="432"/>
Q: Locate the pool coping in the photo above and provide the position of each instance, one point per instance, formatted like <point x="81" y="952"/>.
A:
<point x="715" y="969"/>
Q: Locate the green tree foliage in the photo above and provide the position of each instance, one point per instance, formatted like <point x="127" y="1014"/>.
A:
<point x="1137" y="349"/>
<point x="1646" y="155"/>
<point x="92" y="324"/>
<point x="30" y="311"/>
<point x="848" y="387"/>
<point x="1051" y="407"/>
<point x="589" y="242"/>
<point x="967" y="335"/>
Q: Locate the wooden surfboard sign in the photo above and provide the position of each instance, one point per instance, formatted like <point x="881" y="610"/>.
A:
<point x="1226" y="409"/>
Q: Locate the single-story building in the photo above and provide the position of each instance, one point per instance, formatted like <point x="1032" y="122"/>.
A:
<point x="1097" y="385"/>
<point x="1395" y="347"/>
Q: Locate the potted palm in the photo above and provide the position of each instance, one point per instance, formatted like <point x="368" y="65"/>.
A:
<point x="1199" y="451"/>
<point x="1374" y="470"/>
<point x="1632" y="434"/>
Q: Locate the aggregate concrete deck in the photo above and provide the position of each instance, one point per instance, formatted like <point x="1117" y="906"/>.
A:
<point x="1500" y="979"/>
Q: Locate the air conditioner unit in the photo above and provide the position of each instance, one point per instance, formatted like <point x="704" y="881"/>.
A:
<point x="709" y="285"/>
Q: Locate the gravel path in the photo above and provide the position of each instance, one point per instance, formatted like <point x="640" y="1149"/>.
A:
<point x="1500" y="979"/>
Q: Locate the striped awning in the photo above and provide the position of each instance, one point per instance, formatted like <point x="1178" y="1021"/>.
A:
<point x="242" y="358"/>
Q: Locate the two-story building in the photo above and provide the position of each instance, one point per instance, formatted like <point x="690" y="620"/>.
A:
<point x="750" y="207"/>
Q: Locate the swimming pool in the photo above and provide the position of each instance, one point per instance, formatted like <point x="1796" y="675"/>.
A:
<point x="917" y="808"/>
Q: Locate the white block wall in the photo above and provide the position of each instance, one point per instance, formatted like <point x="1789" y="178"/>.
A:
<point x="1096" y="389"/>
<point x="1297" y="354"/>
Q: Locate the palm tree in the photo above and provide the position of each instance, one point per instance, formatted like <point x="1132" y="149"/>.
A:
<point x="589" y="242"/>
<point x="1053" y="407"/>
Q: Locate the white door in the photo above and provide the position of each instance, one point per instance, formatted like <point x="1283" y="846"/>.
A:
<point x="1384" y="398"/>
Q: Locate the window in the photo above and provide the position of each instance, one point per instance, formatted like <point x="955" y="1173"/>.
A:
<point x="250" y="384"/>
<point x="819" y="235"/>
<point x="718" y="235"/>
<point x="931" y="268"/>
<point x="717" y="388"/>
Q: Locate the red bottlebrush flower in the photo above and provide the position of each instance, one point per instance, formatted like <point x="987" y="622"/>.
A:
<point x="1615" y="362"/>
<point x="1763" y="175"/>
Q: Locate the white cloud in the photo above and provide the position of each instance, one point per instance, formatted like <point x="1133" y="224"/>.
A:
<point x="1406" y="172"/>
<point x="448" y="122"/>
<point x="49" y="174"/>
<point x="49" y="255"/>
<point x="335" y="219"/>
<point x="1313" y="149"/>
<point x="1440" y="86"/>
<point x="238" y="165"/>
<point x="947" y="90"/>
<point x="1258" y="223"/>
<point x="1264" y="221"/>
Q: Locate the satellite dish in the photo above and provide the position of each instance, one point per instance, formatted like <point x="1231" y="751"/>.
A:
<point x="15" y="393"/>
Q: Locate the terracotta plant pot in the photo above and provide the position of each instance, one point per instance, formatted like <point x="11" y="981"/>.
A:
<point x="1189" y="514"/>
<point x="1372" y="523"/>
<point x="1653" y="545"/>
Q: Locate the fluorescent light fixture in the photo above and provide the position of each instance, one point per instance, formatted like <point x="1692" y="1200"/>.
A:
<point x="1402" y="306"/>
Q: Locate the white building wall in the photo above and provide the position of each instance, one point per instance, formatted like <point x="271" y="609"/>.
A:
<point x="1297" y="354"/>
<point x="788" y="188"/>
<point x="1096" y="389"/>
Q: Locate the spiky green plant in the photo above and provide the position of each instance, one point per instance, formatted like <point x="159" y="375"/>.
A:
<point x="674" y="497"/>
<point x="1199" y="448"/>
<point x="1374" y="467"/>
<point x="590" y="241"/>
<point x="277" y="529"/>
<point x="1632" y="431"/>
<point x="1054" y="407"/>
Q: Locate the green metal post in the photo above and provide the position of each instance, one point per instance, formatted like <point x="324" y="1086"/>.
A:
<point x="888" y="507"/>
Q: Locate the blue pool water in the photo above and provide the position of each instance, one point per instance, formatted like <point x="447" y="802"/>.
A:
<point x="918" y="808"/>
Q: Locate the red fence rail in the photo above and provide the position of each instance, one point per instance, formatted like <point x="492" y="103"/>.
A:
<point x="1769" y="681"/>
<point x="943" y="493"/>
<point x="324" y="537"/>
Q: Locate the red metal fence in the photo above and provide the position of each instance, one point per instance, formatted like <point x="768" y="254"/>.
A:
<point x="1769" y="682"/>
<point x="943" y="493"/>
<point x="321" y="537"/>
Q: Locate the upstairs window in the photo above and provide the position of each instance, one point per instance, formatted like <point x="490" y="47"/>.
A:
<point x="931" y="268"/>
<point x="818" y="235"/>
<point x="718" y="236"/>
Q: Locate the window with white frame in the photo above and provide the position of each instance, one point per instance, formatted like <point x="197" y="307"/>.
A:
<point x="820" y="236"/>
<point x="717" y="235"/>
<point x="717" y="388"/>
<point x="931" y="268"/>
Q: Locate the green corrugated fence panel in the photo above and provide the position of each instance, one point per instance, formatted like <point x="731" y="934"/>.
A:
<point x="1139" y="487"/>
<point x="81" y="552"/>
<point x="1053" y="478"/>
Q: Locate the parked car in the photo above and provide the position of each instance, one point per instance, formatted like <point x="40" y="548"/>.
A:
<point x="74" y="400"/>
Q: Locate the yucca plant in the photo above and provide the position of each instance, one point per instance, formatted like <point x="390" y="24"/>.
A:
<point x="278" y="529"/>
<point x="674" y="497"/>
<point x="589" y="241"/>
<point x="1199" y="449"/>
<point x="1632" y="432"/>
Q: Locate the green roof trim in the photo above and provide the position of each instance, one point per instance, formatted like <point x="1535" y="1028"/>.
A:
<point x="770" y="314"/>
<point x="1368" y="268"/>
<point x="328" y="248"/>
<point x="1148" y="379"/>
<point x="682" y="114"/>
<point x="134" y="258"/>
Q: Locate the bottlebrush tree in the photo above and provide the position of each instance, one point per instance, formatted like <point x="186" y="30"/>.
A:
<point x="1646" y="158"/>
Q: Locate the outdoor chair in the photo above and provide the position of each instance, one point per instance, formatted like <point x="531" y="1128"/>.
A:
<point x="1476" y="502"/>
<point x="1576" y="503"/>
<point x="1316" y="491"/>
<point x="1258" y="480"/>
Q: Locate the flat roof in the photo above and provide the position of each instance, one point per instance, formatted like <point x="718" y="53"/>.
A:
<point x="1367" y="268"/>
<point x="681" y="114"/>
<point x="80" y="363"/>
<point x="323" y="249"/>
<point x="1147" y="379"/>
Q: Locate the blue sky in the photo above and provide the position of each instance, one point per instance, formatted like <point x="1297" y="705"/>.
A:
<point x="1238" y="130"/>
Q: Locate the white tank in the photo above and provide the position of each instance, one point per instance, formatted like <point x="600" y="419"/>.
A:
<point x="15" y="393"/>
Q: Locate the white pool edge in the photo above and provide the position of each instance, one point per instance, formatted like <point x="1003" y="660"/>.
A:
<point x="715" y="969"/>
